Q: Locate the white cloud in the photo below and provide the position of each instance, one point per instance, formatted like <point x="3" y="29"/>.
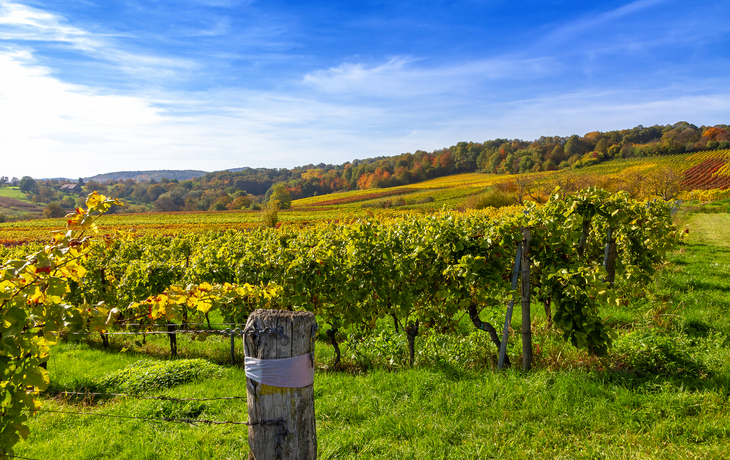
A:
<point x="582" y="112"/>
<point x="24" y="23"/>
<point x="47" y="122"/>
<point x="399" y="77"/>
<point x="52" y="128"/>
<point x="574" y="29"/>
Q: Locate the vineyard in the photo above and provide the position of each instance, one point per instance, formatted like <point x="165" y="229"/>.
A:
<point x="401" y="282"/>
<point x="423" y="272"/>
<point x="699" y="171"/>
<point x="703" y="176"/>
<point x="168" y="224"/>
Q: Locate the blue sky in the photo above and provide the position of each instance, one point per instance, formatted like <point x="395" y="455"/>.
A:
<point x="89" y="86"/>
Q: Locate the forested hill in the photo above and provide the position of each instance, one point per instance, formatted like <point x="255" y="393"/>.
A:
<point x="497" y="156"/>
<point x="146" y="176"/>
<point x="248" y="187"/>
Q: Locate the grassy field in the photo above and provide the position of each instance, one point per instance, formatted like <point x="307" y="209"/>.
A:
<point x="13" y="202"/>
<point x="663" y="393"/>
<point x="13" y="192"/>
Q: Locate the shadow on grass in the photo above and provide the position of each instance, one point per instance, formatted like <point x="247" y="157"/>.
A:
<point x="697" y="328"/>
<point x="219" y="354"/>
<point x="654" y="383"/>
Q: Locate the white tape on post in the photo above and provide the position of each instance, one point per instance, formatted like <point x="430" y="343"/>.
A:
<point x="296" y="372"/>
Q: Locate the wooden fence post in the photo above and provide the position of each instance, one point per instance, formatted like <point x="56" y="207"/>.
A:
<point x="609" y="258"/>
<point x="510" y="307"/>
<point x="282" y="419"/>
<point x="584" y="238"/>
<point x="526" y="326"/>
<point x="171" y="327"/>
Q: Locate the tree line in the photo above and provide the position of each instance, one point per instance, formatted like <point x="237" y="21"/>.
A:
<point x="250" y="187"/>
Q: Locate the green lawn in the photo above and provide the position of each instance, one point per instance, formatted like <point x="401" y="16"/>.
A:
<point x="663" y="393"/>
<point x="13" y="192"/>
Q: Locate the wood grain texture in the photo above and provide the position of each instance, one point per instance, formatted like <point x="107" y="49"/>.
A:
<point x="295" y="405"/>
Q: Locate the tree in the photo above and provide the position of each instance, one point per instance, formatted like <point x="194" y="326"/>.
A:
<point x="68" y="202"/>
<point x="465" y="156"/>
<point x="281" y="194"/>
<point x="165" y="204"/>
<point x="155" y="190"/>
<point x="221" y="204"/>
<point x="525" y="186"/>
<point x="54" y="210"/>
<point x="241" y="202"/>
<point x="94" y="186"/>
<point x="27" y="184"/>
<point x="573" y="146"/>
<point x="665" y="183"/>
<point x="270" y="214"/>
<point x="557" y="155"/>
<point x="47" y="194"/>
<point x="712" y="133"/>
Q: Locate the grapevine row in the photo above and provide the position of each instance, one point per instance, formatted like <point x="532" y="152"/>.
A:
<point x="425" y="269"/>
<point x="422" y="269"/>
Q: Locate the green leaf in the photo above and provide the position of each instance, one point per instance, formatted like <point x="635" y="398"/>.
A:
<point x="56" y="287"/>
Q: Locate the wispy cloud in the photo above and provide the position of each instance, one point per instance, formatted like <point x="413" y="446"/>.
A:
<point x="65" y="129"/>
<point x="23" y="23"/>
<point x="220" y="27"/>
<point x="581" y="26"/>
<point x="402" y="77"/>
<point x="275" y="101"/>
<point x="637" y="28"/>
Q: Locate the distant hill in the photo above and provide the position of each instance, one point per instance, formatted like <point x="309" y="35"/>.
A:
<point x="237" y="169"/>
<point x="145" y="176"/>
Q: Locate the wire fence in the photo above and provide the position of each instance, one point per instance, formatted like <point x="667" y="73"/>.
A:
<point x="190" y="324"/>
<point x="280" y="423"/>
<point x="233" y="331"/>
<point x="172" y="332"/>
<point x="176" y="331"/>
<point x="191" y="421"/>
<point x="161" y="398"/>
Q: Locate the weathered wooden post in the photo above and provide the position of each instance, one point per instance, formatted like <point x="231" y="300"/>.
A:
<point x="609" y="257"/>
<point x="279" y="350"/>
<point x="584" y="238"/>
<point x="171" y="328"/>
<point x="508" y="317"/>
<point x="412" y="332"/>
<point x="526" y="320"/>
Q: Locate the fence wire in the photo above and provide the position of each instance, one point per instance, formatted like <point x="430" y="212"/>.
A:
<point x="191" y="421"/>
<point x="162" y="398"/>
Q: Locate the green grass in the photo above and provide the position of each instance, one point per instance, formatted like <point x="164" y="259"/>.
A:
<point x="63" y="436"/>
<point x="13" y="192"/>
<point x="663" y="393"/>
